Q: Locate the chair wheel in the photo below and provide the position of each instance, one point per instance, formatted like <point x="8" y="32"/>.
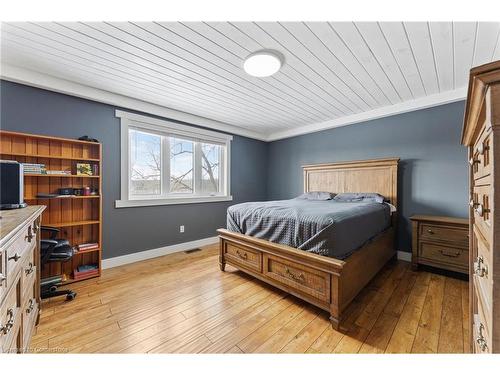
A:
<point x="70" y="296"/>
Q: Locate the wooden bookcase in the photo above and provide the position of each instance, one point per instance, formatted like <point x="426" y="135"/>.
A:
<point x="78" y="217"/>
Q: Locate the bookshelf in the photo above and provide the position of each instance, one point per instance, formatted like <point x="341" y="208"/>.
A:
<point x="79" y="217"/>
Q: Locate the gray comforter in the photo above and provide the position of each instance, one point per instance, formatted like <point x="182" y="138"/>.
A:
<point x="328" y="228"/>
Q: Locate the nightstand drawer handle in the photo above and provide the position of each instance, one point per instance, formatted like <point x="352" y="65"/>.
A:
<point x="430" y="231"/>
<point x="473" y="161"/>
<point x="15" y="257"/>
<point x="481" y="341"/>
<point x="10" y="323"/>
<point x="480" y="269"/>
<point x="452" y="254"/>
<point x="2" y="278"/>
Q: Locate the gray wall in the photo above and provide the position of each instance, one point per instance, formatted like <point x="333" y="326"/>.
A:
<point x="433" y="168"/>
<point x="432" y="180"/>
<point x="128" y="230"/>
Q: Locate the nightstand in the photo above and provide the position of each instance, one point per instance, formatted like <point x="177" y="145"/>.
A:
<point x="441" y="242"/>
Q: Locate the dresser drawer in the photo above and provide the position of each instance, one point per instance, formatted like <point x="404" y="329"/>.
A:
<point x="482" y="271"/>
<point x="14" y="343"/>
<point x="3" y="275"/>
<point x="481" y="330"/>
<point x="244" y="256"/>
<point x="18" y="251"/>
<point x="483" y="210"/>
<point x="444" y="254"/>
<point x="10" y="315"/>
<point x="435" y="232"/>
<point x="29" y="311"/>
<point x="482" y="156"/>
<point x="28" y="273"/>
<point x="311" y="283"/>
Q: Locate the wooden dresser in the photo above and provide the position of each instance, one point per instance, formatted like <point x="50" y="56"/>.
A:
<point x="440" y="242"/>
<point x="481" y="134"/>
<point x="19" y="277"/>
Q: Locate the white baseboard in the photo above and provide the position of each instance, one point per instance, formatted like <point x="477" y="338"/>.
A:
<point x="404" y="255"/>
<point x="158" y="252"/>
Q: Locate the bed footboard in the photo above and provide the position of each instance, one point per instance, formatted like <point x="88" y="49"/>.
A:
<point x="327" y="283"/>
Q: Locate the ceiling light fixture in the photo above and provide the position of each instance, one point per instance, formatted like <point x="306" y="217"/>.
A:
<point x="263" y="63"/>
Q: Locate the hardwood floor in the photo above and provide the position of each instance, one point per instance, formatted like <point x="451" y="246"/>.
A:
<point x="196" y="308"/>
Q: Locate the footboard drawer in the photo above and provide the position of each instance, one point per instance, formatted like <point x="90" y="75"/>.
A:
<point x="243" y="256"/>
<point x="306" y="281"/>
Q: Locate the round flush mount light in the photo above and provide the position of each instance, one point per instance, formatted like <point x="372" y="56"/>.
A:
<point x="263" y="63"/>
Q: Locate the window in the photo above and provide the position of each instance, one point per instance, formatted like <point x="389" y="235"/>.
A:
<point x="169" y="163"/>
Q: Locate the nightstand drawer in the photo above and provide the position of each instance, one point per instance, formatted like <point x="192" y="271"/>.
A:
<point x="444" y="254"/>
<point x="441" y="233"/>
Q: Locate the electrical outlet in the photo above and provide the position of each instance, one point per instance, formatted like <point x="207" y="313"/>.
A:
<point x="181" y="229"/>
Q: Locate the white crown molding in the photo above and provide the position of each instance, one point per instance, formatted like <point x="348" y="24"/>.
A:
<point x="51" y="83"/>
<point x="158" y="252"/>
<point x="44" y="81"/>
<point x="408" y="106"/>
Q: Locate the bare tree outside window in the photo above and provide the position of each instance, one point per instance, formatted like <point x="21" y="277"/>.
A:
<point x="146" y="165"/>
<point x="210" y="163"/>
<point x="181" y="165"/>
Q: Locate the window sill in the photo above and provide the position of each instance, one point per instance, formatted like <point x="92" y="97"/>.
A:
<point x="168" y="201"/>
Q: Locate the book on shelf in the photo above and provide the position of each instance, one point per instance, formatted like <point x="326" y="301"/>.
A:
<point x="32" y="168"/>
<point x="79" y="275"/>
<point x="59" y="172"/>
<point x="87" y="246"/>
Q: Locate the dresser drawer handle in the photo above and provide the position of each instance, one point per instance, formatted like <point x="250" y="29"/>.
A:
<point x="482" y="148"/>
<point x="242" y="256"/>
<point x="30" y="269"/>
<point x="2" y="278"/>
<point x="10" y="323"/>
<point x="36" y="226"/>
<point x="480" y="269"/>
<point x="300" y="277"/>
<point x="430" y="231"/>
<point x="472" y="204"/>
<point x="29" y="236"/>
<point x="473" y="161"/>
<point x="31" y="306"/>
<point x="480" y="210"/>
<point x="452" y="254"/>
<point x="481" y="341"/>
<point x="15" y="257"/>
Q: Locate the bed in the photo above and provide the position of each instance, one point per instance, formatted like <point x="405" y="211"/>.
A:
<point x="326" y="274"/>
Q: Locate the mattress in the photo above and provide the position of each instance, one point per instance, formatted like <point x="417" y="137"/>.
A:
<point x="330" y="228"/>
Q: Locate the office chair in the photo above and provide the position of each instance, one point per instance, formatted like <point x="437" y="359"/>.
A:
<point x="55" y="250"/>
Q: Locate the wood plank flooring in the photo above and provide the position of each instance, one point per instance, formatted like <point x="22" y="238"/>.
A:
<point x="183" y="303"/>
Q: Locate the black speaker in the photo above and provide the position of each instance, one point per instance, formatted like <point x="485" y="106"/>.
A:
<point x="11" y="185"/>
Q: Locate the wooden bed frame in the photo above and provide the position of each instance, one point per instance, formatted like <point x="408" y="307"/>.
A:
<point x="329" y="283"/>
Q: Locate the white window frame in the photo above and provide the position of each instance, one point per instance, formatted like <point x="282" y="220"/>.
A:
<point x="167" y="128"/>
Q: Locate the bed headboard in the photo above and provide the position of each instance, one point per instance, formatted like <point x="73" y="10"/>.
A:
<point x="361" y="176"/>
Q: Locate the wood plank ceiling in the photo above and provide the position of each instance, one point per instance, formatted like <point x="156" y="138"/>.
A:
<point x="331" y="71"/>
